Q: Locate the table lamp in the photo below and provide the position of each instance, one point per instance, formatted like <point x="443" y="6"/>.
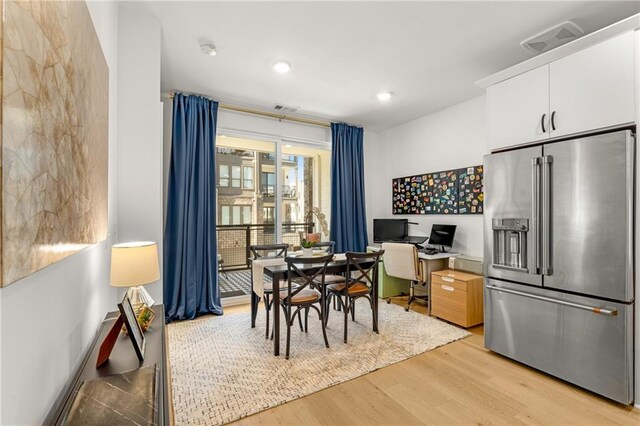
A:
<point x="133" y="265"/>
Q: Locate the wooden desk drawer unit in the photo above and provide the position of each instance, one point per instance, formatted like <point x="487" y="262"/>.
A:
<point x="457" y="297"/>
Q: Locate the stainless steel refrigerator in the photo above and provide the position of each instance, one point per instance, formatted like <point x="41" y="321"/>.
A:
<point x="559" y="251"/>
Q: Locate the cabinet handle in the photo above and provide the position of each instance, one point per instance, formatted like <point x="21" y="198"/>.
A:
<point x="446" y="287"/>
<point x="542" y="123"/>
<point x="553" y="121"/>
<point x="447" y="279"/>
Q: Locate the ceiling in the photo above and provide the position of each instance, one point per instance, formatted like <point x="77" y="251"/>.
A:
<point x="342" y="53"/>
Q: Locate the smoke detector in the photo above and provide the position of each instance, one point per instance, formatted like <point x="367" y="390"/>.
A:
<point x="284" y="108"/>
<point x="553" y="37"/>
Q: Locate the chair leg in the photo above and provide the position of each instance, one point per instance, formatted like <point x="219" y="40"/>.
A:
<point x="288" y="330"/>
<point x="325" y="316"/>
<point x="352" y="306"/>
<point x="323" y="309"/>
<point x="374" y="315"/>
<point x="267" y="307"/>
<point x="306" y="320"/>
<point x="346" y="308"/>
<point x="300" y="320"/>
<point x="411" y="298"/>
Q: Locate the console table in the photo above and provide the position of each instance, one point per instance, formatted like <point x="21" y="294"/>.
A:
<point x="123" y="358"/>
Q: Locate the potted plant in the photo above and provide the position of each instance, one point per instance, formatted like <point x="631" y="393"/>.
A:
<point x="307" y="247"/>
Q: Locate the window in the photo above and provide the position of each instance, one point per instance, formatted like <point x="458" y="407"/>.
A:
<point x="235" y="215"/>
<point x="235" y="176"/>
<point x="224" y="175"/>
<point x="226" y="180"/>
<point x="268" y="181"/>
<point x="247" y="177"/>
<point x="269" y="215"/>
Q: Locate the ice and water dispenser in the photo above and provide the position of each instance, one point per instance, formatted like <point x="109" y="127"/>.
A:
<point x="510" y="243"/>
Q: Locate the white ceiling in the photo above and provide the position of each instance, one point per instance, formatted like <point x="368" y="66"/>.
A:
<point x="342" y="53"/>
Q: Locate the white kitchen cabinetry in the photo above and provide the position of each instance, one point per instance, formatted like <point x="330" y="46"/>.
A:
<point x="588" y="90"/>
<point x="593" y="88"/>
<point x="519" y="109"/>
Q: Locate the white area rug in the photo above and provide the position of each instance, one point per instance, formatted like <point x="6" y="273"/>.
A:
<point x="223" y="370"/>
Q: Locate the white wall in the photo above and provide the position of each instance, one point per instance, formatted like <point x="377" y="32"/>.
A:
<point x="48" y="319"/>
<point x="140" y="131"/>
<point x="637" y="242"/>
<point x="452" y="138"/>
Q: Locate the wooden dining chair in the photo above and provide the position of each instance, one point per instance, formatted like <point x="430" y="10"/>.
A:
<point x="305" y="293"/>
<point x="360" y="283"/>
<point x="270" y="251"/>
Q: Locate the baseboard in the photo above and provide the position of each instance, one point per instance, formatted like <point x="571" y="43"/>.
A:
<point x="236" y="300"/>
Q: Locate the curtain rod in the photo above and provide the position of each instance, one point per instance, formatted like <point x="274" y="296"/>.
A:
<point x="263" y="113"/>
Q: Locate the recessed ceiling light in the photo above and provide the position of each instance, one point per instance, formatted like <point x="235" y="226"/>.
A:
<point x="282" y="67"/>
<point x="288" y="145"/>
<point x="384" y="96"/>
<point x="208" y="49"/>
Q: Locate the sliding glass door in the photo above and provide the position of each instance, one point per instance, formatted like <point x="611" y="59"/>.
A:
<point x="268" y="192"/>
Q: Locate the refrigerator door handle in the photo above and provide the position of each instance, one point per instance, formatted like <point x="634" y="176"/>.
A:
<point x="596" y="310"/>
<point x="535" y="215"/>
<point x="547" y="267"/>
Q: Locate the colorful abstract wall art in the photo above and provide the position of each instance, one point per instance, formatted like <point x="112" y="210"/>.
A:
<point x="55" y="103"/>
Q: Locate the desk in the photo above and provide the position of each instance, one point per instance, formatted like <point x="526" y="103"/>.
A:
<point x="430" y="263"/>
<point x="280" y="272"/>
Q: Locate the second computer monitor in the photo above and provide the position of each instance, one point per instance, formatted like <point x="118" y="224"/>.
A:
<point x="442" y="236"/>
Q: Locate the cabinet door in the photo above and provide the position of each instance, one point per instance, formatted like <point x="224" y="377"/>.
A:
<point x="593" y="88"/>
<point x="516" y="108"/>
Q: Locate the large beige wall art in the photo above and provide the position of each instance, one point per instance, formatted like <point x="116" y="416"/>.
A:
<point x="55" y="100"/>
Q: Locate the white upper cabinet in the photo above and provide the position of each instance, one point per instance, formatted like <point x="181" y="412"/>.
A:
<point x="518" y="109"/>
<point x="593" y="88"/>
<point x="587" y="90"/>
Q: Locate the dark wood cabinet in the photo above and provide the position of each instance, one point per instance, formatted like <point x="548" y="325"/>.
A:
<point x="123" y="358"/>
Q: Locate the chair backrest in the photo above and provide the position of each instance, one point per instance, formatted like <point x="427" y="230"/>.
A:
<point x="356" y="272"/>
<point x="401" y="261"/>
<point x="328" y="246"/>
<point x="269" y="250"/>
<point x="297" y="268"/>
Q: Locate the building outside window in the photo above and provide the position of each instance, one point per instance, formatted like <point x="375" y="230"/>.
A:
<point x="247" y="177"/>
<point x="223" y="175"/>
<point x="268" y="181"/>
<point x="269" y="214"/>
<point x="235" y="176"/>
<point x="235" y="215"/>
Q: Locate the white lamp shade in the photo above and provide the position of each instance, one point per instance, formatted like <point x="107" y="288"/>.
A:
<point x="134" y="264"/>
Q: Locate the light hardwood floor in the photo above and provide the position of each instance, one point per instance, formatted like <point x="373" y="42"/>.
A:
<point x="460" y="383"/>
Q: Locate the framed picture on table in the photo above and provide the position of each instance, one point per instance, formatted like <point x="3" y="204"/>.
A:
<point x="133" y="327"/>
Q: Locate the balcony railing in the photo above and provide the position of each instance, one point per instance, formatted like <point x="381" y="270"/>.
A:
<point x="287" y="191"/>
<point x="234" y="240"/>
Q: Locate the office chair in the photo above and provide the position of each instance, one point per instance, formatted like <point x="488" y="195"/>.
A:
<point x="401" y="261"/>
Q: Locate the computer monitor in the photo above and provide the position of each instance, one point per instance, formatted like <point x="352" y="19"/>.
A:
<point x="386" y="230"/>
<point x="441" y="236"/>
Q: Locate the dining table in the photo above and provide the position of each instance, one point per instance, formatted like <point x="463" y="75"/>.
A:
<point x="279" y="271"/>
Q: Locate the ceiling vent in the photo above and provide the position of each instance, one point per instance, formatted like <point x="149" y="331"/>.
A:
<point x="553" y="37"/>
<point x="285" y="109"/>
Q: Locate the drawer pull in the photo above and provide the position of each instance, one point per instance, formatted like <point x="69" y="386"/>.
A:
<point x="447" y="279"/>
<point x="446" y="287"/>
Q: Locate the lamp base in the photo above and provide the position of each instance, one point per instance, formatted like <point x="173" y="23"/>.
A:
<point x="139" y="295"/>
